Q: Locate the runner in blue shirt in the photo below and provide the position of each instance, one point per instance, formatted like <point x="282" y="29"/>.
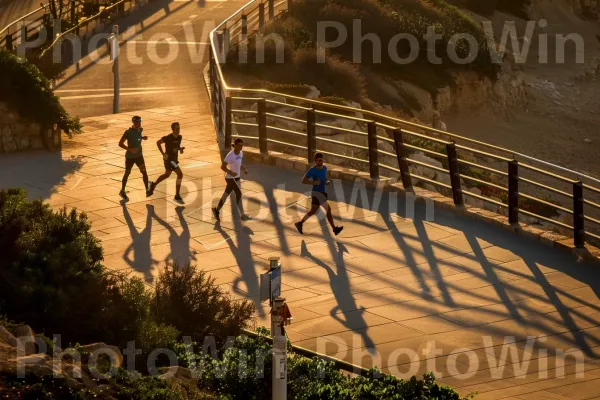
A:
<point x="317" y="177"/>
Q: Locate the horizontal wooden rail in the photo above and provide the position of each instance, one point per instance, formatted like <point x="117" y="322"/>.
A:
<point x="435" y="153"/>
<point x="490" y="184"/>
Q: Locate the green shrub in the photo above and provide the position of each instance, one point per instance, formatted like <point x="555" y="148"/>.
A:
<point x="26" y="90"/>
<point x="188" y="299"/>
<point x="52" y="278"/>
<point x="244" y="372"/>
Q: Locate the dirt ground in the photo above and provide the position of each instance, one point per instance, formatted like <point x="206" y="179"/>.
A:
<point x="561" y="121"/>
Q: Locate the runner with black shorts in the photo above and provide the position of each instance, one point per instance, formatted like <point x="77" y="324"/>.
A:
<point x="134" y="155"/>
<point x="171" y="156"/>
<point x="317" y="176"/>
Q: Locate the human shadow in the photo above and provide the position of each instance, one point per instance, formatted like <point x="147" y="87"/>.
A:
<point x="340" y="286"/>
<point x="244" y="260"/>
<point x="180" y="243"/>
<point x="141" y="260"/>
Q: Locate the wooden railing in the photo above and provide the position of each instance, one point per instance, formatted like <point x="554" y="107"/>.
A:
<point x="505" y="173"/>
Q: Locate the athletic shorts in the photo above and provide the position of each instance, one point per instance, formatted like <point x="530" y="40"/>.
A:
<point x="129" y="162"/>
<point x="171" y="165"/>
<point x="318" y="198"/>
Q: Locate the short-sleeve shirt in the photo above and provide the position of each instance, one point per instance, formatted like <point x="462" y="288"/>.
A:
<point x="134" y="140"/>
<point x="315" y="173"/>
<point x="234" y="163"/>
<point x="172" y="145"/>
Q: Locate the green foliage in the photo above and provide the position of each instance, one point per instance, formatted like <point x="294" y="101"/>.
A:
<point x="26" y="90"/>
<point x="244" y="371"/>
<point x="188" y="299"/>
<point x="52" y="278"/>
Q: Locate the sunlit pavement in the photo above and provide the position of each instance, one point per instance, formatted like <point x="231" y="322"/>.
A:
<point x="389" y="283"/>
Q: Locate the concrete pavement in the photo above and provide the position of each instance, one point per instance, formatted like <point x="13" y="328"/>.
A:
<point x="164" y="49"/>
<point x="432" y="291"/>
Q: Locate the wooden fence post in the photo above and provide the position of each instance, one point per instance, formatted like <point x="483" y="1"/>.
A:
<point x="454" y="174"/>
<point x="401" y="156"/>
<point x="373" y="154"/>
<point x="513" y="192"/>
<point x="578" y="215"/>
<point x="262" y="126"/>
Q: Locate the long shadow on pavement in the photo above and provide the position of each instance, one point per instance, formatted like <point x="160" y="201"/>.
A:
<point x="530" y="251"/>
<point x="142" y="260"/>
<point x="179" y="243"/>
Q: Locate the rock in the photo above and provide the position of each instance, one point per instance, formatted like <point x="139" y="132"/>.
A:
<point x="182" y="379"/>
<point x="36" y="143"/>
<point x="25" y="335"/>
<point x="420" y="169"/>
<point x="473" y="201"/>
<point x="22" y="142"/>
<point x="7" y="337"/>
<point x="588" y="141"/>
<point x="102" y="348"/>
<point x="313" y="93"/>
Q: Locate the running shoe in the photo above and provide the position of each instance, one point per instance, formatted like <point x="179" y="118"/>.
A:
<point x="216" y="213"/>
<point x="337" y="230"/>
<point x="178" y="199"/>
<point x="298" y="226"/>
<point x="123" y="195"/>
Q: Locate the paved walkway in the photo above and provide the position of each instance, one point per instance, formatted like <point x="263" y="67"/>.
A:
<point x="392" y="284"/>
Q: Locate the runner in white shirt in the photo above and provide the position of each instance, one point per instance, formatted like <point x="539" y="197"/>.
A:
<point x="232" y="164"/>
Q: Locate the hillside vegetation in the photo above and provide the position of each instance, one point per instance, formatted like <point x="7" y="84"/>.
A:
<point x="344" y="75"/>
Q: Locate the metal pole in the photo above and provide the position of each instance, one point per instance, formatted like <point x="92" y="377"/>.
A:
<point x="228" y="121"/>
<point x="279" y="374"/>
<point x="115" y="54"/>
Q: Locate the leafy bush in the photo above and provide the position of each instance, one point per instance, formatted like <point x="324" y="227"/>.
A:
<point x="25" y="89"/>
<point x="189" y="300"/>
<point x="52" y="278"/>
<point x="245" y="368"/>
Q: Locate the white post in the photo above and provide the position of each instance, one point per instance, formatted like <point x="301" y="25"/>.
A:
<point x="279" y="377"/>
<point x="115" y="57"/>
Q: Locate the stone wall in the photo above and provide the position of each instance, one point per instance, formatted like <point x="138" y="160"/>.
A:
<point x="18" y="134"/>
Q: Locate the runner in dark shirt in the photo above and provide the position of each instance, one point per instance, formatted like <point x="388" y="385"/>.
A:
<point x="171" y="156"/>
<point x="133" y="156"/>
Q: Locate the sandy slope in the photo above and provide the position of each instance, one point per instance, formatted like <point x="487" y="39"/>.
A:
<point x="563" y="107"/>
